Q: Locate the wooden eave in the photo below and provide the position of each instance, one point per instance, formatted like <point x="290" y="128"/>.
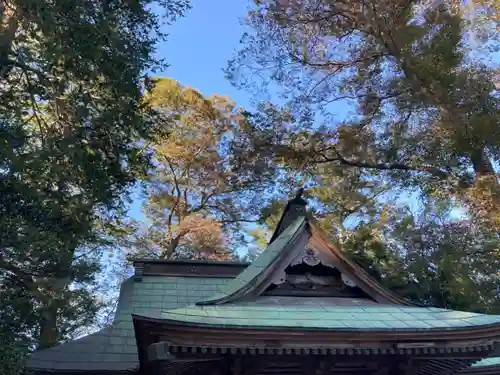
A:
<point x="186" y="345"/>
<point x="319" y="364"/>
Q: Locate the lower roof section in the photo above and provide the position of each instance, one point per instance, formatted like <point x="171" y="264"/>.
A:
<point x="114" y="348"/>
<point x="487" y="366"/>
<point x="487" y="362"/>
<point x="111" y="349"/>
<point x="326" y="313"/>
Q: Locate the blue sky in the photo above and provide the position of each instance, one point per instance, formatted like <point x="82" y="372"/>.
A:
<point x="198" y="49"/>
<point x="201" y="43"/>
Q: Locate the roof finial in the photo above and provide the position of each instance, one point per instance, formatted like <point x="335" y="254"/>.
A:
<point x="294" y="209"/>
<point x="298" y="194"/>
<point x="299" y="199"/>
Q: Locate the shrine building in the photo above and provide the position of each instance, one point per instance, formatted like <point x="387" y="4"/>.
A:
<point x="301" y="308"/>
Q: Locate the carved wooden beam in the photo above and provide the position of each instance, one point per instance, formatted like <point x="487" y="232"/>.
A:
<point x="311" y="257"/>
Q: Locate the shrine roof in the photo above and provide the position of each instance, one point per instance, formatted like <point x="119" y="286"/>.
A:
<point x="279" y="290"/>
<point x="325" y="313"/>
<point x="234" y="294"/>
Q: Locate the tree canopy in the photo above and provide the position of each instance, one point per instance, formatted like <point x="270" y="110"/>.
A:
<point x="199" y="196"/>
<point x="425" y="111"/>
<point x="72" y="117"/>
<point x="388" y="114"/>
<point x="382" y="104"/>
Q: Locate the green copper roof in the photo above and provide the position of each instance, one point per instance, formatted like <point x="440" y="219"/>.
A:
<point x="493" y="361"/>
<point x="260" y="264"/>
<point x="325" y="313"/>
<point x="114" y="348"/>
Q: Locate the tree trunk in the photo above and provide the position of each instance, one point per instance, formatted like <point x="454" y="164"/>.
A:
<point x="167" y="254"/>
<point x="9" y="23"/>
<point x="49" y="333"/>
<point x="481" y="163"/>
<point x="47" y="294"/>
<point x="52" y="299"/>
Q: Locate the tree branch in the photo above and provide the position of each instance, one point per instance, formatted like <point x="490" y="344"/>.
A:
<point x="229" y="221"/>
<point x="178" y="191"/>
<point x="23" y="277"/>
<point x="384" y="166"/>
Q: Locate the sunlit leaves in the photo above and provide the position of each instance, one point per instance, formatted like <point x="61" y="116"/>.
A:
<point x="202" y="190"/>
<point x="386" y="103"/>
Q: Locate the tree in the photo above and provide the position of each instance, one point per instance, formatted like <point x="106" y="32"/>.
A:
<point x="427" y="110"/>
<point x="199" y="197"/>
<point x="72" y="117"/>
<point x="431" y="259"/>
<point x="425" y="125"/>
<point x="453" y="263"/>
<point x="11" y="355"/>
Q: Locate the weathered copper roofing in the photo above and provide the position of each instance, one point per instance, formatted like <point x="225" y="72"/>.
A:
<point x="326" y="313"/>
<point x="487" y="366"/>
<point x="492" y="361"/>
<point x="114" y="348"/>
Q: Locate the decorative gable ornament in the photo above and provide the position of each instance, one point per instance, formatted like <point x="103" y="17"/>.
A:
<point x="311" y="258"/>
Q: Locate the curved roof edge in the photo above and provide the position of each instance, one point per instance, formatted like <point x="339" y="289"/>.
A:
<point x="487" y="362"/>
<point x="259" y="270"/>
<point x="483" y="335"/>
